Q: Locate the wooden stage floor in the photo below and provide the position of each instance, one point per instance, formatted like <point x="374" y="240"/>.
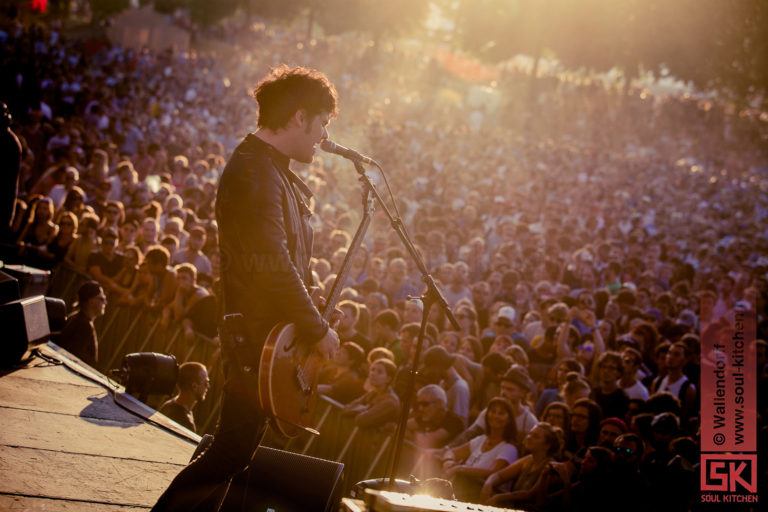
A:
<point x="66" y="445"/>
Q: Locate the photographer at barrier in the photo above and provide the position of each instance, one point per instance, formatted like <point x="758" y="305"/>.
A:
<point x="79" y="334"/>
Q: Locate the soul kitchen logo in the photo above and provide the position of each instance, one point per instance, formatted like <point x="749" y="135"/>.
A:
<point x="734" y="474"/>
<point x="728" y="410"/>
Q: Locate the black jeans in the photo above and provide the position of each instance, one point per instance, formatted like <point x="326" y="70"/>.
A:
<point x="203" y="485"/>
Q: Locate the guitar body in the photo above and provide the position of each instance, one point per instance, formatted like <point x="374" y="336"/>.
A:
<point x="289" y="369"/>
<point x="288" y="375"/>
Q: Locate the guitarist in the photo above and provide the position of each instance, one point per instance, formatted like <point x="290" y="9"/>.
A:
<point x="265" y="241"/>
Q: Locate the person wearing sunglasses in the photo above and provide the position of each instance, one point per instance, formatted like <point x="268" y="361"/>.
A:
<point x="503" y="325"/>
<point x="55" y="252"/>
<point x="628" y="451"/>
<point x="431" y="424"/>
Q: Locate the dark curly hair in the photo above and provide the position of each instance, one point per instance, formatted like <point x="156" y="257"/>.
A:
<point x="285" y="90"/>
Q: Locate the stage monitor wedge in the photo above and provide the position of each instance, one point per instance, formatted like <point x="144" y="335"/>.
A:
<point x="283" y="481"/>
<point x="25" y="324"/>
<point x="9" y="288"/>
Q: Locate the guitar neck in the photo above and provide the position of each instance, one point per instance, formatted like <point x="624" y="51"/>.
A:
<point x="341" y="276"/>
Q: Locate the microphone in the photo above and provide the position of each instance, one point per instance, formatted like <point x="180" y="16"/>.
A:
<point x="350" y="154"/>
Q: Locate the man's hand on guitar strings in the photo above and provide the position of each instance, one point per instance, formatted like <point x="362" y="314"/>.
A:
<point x="336" y="316"/>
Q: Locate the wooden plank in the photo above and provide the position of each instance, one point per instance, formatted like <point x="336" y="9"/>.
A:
<point x="18" y="392"/>
<point x="91" y="436"/>
<point x="41" y="370"/>
<point x="78" y="477"/>
<point x="33" y="504"/>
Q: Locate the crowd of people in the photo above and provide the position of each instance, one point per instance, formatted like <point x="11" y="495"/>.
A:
<point x="583" y="235"/>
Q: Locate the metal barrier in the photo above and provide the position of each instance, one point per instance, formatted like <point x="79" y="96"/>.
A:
<point x="65" y="281"/>
<point x="365" y="452"/>
<point x="122" y="330"/>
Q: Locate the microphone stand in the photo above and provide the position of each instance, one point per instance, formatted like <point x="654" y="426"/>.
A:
<point x="431" y="296"/>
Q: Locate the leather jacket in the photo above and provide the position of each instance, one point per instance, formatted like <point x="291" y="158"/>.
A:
<point x="266" y="243"/>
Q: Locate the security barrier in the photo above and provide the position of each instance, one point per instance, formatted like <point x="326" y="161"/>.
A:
<point x="122" y="330"/>
<point x="365" y="452"/>
<point x="65" y="281"/>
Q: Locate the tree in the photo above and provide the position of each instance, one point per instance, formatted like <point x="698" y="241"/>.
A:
<point x="716" y="44"/>
<point x="104" y="8"/>
<point x="596" y="34"/>
<point x="376" y="17"/>
<point x="496" y="30"/>
<point x="276" y="9"/>
<point x="207" y="13"/>
<point x="201" y="12"/>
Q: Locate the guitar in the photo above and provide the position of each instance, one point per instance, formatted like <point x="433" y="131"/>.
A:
<point x="289" y="367"/>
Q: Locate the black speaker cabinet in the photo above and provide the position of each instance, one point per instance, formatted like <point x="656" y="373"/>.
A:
<point x="9" y="288"/>
<point x="32" y="281"/>
<point x="280" y="481"/>
<point x="24" y="324"/>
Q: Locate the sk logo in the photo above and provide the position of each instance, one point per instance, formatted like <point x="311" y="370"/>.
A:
<point x="729" y="472"/>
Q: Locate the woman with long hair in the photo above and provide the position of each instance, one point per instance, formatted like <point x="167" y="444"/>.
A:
<point x="541" y="445"/>
<point x="471" y="348"/>
<point x="85" y="244"/>
<point x="585" y="427"/>
<point x="39" y="229"/>
<point x="449" y="340"/>
<point x="469" y="464"/>
<point x="74" y="201"/>
<point x="140" y="293"/>
<point x="558" y="414"/>
<point x="114" y="216"/>
<point x="342" y="380"/>
<point x="55" y="252"/>
<point x="127" y="275"/>
<point x="380" y="406"/>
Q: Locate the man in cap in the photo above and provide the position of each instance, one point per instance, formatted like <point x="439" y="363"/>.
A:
<point x="610" y="429"/>
<point x="79" y="334"/>
<point x="504" y="325"/>
<point x="515" y="385"/>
